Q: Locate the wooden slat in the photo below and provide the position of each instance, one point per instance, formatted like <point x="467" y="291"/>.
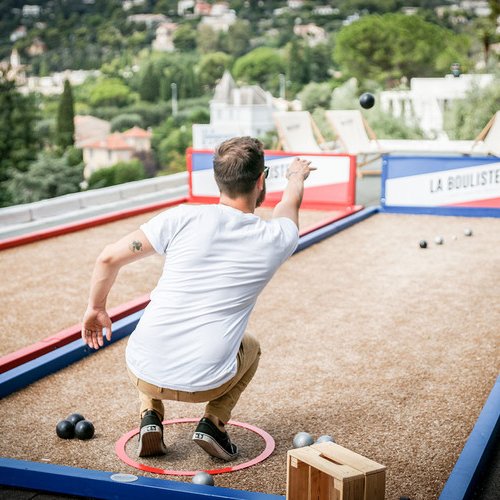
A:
<point x="340" y="454"/>
<point x="313" y="457"/>
<point x="297" y="480"/>
<point x="375" y="486"/>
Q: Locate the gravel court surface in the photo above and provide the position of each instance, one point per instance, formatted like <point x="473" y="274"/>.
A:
<point x="47" y="283"/>
<point x="389" y="348"/>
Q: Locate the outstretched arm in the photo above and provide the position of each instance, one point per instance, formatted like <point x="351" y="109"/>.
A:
<point x="297" y="173"/>
<point x="132" y="247"/>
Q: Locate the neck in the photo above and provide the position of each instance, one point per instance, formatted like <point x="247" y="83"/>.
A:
<point x="242" y="203"/>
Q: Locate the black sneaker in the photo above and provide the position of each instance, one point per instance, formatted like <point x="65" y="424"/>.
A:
<point x="151" y="436"/>
<point x="214" y="441"/>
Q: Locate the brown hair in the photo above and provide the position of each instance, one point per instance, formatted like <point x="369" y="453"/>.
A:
<point x="237" y="165"/>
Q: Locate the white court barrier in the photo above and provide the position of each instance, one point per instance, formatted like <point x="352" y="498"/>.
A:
<point x="112" y="196"/>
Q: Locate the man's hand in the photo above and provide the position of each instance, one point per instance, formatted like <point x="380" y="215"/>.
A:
<point x="297" y="173"/>
<point x="300" y="168"/>
<point x="94" y="320"/>
<point x="128" y="249"/>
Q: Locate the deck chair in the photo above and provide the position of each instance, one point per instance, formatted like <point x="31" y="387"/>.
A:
<point x="488" y="140"/>
<point x="356" y="137"/>
<point x="298" y="132"/>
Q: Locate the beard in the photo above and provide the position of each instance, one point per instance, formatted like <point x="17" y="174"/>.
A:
<point x="262" y="196"/>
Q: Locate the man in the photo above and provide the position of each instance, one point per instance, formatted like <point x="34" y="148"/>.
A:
<point x="190" y="344"/>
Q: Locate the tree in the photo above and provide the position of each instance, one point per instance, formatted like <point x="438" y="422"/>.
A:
<point x="211" y="68"/>
<point x="388" y="47"/>
<point x="495" y="9"/>
<point x="149" y="89"/>
<point x="315" y="95"/>
<point x="121" y="172"/>
<point x="18" y="143"/>
<point x="207" y="40"/>
<point x="172" y="149"/>
<point x="49" y="176"/>
<point x="297" y="65"/>
<point x="65" y="125"/>
<point x="170" y="140"/>
<point x="181" y="72"/>
<point x="320" y="62"/>
<point x="110" y="92"/>
<point x="261" y="66"/>
<point x="468" y="116"/>
<point x="45" y="131"/>
<point x="128" y="171"/>
<point x="125" y="121"/>
<point x="485" y="31"/>
<point x="237" y="39"/>
<point x="185" y="38"/>
<point x="165" y="7"/>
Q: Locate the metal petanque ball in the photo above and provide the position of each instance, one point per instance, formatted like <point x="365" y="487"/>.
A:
<point x="438" y="240"/>
<point x="367" y="100"/>
<point x="468" y="232"/>
<point x="203" y="478"/>
<point x="65" y="429"/>
<point x="325" y="439"/>
<point x="74" y="418"/>
<point x="302" y="439"/>
<point x="84" y="429"/>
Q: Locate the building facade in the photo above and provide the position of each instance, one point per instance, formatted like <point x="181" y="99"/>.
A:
<point x="427" y="100"/>
<point x="235" y="111"/>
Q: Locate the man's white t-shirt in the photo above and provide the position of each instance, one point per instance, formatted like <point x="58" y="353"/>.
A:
<point x="218" y="260"/>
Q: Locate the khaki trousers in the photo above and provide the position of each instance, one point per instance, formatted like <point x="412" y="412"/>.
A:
<point x="221" y="400"/>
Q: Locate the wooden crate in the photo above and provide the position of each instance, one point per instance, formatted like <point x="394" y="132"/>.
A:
<point x="327" y="471"/>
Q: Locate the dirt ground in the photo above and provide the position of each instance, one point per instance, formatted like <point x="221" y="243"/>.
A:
<point x="48" y="281"/>
<point x="390" y="349"/>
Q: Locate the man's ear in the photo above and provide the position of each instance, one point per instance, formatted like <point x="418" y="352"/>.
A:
<point x="260" y="181"/>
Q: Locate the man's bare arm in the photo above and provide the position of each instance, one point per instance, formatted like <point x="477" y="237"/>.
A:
<point x="132" y="247"/>
<point x="297" y="173"/>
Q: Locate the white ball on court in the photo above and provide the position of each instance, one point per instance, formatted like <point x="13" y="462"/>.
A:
<point x="203" y="478"/>
<point x="325" y="439"/>
<point x="302" y="439"/>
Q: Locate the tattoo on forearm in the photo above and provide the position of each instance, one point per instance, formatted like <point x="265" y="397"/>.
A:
<point x="136" y="246"/>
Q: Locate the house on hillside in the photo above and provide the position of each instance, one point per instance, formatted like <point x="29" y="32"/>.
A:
<point x="31" y="10"/>
<point x="235" y="111"/>
<point x="18" y="33"/>
<point x="114" y="148"/>
<point x="325" y="10"/>
<point x="312" y="33"/>
<point x="138" y="138"/>
<point x="185" y="7"/>
<point x="54" y="83"/>
<point x="37" y="47"/>
<point x="149" y="20"/>
<point x="221" y="17"/>
<point x="164" y="40"/>
<point x="428" y="99"/>
<point x="13" y="68"/>
<point x="202" y="8"/>
<point x="128" y="4"/>
<point x="90" y="129"/>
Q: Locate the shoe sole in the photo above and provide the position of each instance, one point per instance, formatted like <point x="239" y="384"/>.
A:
<point x="212" y="447"/>
<point x="151" y="442"/>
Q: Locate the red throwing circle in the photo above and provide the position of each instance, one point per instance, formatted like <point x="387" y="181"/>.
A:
<point x="122" y="454"/>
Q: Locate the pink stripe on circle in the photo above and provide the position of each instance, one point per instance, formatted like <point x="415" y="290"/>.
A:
<point x="122" y="454"/>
